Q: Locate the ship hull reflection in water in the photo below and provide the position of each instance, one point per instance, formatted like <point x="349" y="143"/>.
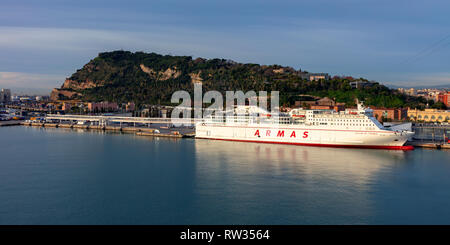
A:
<point x="286" y="184"/>
<point x="356" y="165"/>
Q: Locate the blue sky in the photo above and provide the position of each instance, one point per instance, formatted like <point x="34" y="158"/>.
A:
<point x="393" y="42"/>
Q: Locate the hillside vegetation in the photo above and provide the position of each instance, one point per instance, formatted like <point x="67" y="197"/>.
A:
<point x="150" y="78"/>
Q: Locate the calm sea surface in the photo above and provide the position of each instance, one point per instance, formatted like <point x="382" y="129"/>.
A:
<point x="62" y="176"/>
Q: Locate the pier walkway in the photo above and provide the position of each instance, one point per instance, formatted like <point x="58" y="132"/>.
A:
<point x="107" y="120"/>
<point x="160" y="127"/>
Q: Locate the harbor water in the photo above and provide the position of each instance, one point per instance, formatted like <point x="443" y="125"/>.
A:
<point x="66" y="176"/>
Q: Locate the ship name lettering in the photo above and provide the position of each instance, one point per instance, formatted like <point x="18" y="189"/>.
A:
<point x="257" y="133"/>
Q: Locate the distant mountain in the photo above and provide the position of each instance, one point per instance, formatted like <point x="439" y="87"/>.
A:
<point x="442" y="86"/>
<point x="150" y="78"/>
<point x="391" y="86"/>
<point x="29" y="91"/>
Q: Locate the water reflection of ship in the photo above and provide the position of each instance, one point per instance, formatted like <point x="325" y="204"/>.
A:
<point x="352" y="164"/>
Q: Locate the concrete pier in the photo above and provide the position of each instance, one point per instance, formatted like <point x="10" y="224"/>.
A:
<point x="10" y="123"/>
<point x="65" y="126"/>
<point x="141" y="131"/>
<point x="50" y="125"/>
<point x="170" y="135"/>
<point x="161" y="127"/>
<point x="433" y="145"/>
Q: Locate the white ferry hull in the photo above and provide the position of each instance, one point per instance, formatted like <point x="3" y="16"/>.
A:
<point x="289" y="134"/>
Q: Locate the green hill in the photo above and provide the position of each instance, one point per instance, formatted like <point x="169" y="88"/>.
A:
<point x="150" y="78"/>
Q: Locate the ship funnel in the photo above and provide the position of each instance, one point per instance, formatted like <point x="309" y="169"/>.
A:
<point x="360" y="105"/>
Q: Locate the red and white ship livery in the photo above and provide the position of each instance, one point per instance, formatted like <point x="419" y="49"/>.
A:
<point x="353" y="128"/>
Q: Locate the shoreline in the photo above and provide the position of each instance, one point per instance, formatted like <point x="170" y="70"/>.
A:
<point x="152" y="132"/>
<point x="140" y="131"/>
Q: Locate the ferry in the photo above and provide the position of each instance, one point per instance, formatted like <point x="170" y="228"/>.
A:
<point x="352" y="128"/>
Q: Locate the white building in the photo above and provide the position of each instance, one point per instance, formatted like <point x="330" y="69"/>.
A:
<point x="5" y="95"/>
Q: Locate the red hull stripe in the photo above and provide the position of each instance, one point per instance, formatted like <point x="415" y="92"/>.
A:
<point x="386" y="147"/>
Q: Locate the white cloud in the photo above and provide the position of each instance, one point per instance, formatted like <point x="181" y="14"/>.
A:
<point x="340" y="50"/>
<point x="30" y="82"/>
<point x="148" y="38"/>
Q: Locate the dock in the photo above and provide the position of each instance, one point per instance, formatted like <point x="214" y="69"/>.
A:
<point x="151" y="129"/>
<point x="10" y="123"/>
<point x="169" y="135"/>
<point x="432" y="145"/>
<point x="431" y="136"/>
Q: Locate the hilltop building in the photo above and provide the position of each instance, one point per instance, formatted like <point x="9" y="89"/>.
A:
<point x="429" y="115"/>
<point x="410" y="91"/>
<point x="315" y="76"/>
<point x="361" y="84"/>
